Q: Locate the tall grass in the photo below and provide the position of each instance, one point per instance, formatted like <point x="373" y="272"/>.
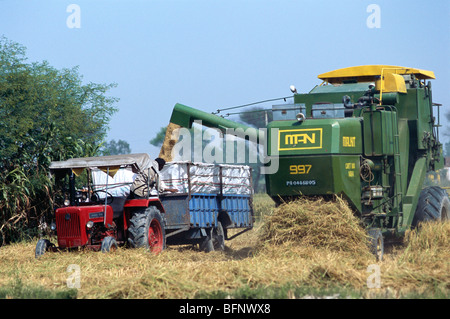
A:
<point x="17" y="207"/>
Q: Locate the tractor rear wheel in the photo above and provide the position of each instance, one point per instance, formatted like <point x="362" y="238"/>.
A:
<point x="147" y="230"/>
<point x="433" y="205"/>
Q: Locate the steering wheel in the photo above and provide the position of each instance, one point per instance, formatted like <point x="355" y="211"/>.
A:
<point x="109" y="197"/>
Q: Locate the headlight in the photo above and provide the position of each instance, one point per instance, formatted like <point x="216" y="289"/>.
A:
<point x="66" y="202"/>
<point x="90" y="224"/>
<point x="53" y="226"/>
<point x="300" y="117"/>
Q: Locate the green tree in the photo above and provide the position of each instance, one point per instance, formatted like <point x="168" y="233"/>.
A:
<point x="116" y="148"/>
<point x="45" y="114"/>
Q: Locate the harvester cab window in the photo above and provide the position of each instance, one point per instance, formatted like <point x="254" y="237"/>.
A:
<point x="287" y="111"/>
<point x="328" y="110"/>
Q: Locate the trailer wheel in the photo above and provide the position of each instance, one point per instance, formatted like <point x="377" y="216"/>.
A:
<point x="42" y="247"/>
<point x="376" y="243"/>
<point x="108" y="244"/>
<point x="215" y="239"/>
<point x="146" y="229"/>
<point x="433" y="205"/>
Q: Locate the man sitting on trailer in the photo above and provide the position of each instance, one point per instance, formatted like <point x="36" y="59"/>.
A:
<point x="149" y="179"/>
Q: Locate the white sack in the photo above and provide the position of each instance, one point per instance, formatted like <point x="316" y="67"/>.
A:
<point x="205" y="178"/>
<point x="117" y="186"/>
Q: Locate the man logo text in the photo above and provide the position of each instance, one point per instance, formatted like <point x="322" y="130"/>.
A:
<point x="300" y="139"/>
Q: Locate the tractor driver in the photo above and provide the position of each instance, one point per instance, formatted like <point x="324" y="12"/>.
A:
<point x="140" y="189"/>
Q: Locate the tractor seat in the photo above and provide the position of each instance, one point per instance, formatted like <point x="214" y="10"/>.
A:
<point x="117" y="205"/>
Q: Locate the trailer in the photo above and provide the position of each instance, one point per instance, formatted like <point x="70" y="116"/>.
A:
<point x="211" y="199"/>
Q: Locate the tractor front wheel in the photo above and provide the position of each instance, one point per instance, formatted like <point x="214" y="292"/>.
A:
<point x="42" y="247"/>
<point x="108" y="244"/>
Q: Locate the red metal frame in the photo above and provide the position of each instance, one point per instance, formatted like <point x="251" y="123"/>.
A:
<point x="145" y="203"/>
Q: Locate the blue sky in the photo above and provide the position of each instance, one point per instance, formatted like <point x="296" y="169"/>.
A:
<point x="212" y="54"/>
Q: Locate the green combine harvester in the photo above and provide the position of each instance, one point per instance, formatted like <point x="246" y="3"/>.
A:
<point x="367" y="133"/>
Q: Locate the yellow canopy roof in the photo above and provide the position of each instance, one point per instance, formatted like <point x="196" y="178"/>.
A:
<point x="371" y="72"/>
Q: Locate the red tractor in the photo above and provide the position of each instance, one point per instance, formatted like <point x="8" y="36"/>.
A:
<point x="104" y="216"/>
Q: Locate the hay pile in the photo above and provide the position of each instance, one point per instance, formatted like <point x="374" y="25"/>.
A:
<point x="315" y="222"/>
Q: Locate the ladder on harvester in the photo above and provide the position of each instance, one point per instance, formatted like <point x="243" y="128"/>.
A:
<point x="398" y="167"/>
<point x="398" y="196"/>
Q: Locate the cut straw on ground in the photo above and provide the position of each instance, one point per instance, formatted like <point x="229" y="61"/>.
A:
<point x="324" y="255"/>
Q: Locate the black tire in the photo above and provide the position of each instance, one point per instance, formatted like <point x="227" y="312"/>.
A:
<point x="42" y="247"/>
<point x="376" y="243"/>
<point x="433" y="205"/>
<point x="108" y="244"/>
<point x="147" y="230"/>
<point x="215" y="239"/>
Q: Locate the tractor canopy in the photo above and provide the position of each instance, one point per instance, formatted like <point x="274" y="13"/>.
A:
<point x="111" y="164"/>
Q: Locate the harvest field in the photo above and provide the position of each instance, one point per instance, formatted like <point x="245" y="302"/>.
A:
<point x="307" y="249"/>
